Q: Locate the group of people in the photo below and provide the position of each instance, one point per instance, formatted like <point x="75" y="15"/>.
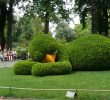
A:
<point x="8" y="55"/>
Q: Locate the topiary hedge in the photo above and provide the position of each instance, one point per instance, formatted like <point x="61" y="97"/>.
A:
<point x="42" y="69"/>
<point x="41" y="45"/>
<point x="62" y="53"/>
<point x="23" y="67"/>
<point x="91" y="52"/>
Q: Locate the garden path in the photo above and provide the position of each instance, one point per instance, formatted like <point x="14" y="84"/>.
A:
<point x="7" y="63"/>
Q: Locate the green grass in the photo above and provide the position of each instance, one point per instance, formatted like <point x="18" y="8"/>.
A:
<point x="77" y="80"/>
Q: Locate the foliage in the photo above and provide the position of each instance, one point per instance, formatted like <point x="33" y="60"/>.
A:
<point x="98" y="9"/>
<point x="25" y="28"/>
<point x="36" y="25"/>
<point x="23" y="67"/>
<point x="64" y="32"/>
<point x="42" y="69"/>
<point x="91" y="52"/>
<point x="62" y="53"/>
<point x="49" y="10"/>
<point x="53" y="7"/>
<point x="22" y="32"/>
<point x="16" y="30"/>
<point x="34" y="8"/>
<point x="6" y="13"/>
<point x="79" y="31"/>
<point x="41" y="45"/>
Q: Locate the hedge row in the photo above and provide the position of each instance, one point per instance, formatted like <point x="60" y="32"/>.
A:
<point x="41" y="69"/>
<point x="23" y="67"/>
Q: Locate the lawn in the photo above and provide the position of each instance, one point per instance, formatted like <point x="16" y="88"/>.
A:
<point x="78" y="80"/>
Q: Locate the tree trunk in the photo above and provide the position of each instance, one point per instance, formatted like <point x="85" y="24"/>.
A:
<point x="46" y="23"/>
<point x="106" y="26"/>
<point x="2" y="24"/>
<point x="94" y="16"/>
<point x="10" y="23"/>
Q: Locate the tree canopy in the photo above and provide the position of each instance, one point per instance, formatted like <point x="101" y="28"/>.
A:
<point x="49" y="10"/>
<point x="6" y="15"/>
<point x="64" y="33"/>
<point x="98" y="10"/>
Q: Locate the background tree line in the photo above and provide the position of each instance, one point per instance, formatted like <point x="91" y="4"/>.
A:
<point x="38" y="14"/>
<point x="47" y="10"/>
<point x="6" y="19"/>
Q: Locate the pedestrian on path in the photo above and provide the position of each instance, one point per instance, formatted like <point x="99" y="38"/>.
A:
<point x="1" y="56"/>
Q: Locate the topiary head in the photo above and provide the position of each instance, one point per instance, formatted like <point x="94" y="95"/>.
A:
<point x="41" y="45"/>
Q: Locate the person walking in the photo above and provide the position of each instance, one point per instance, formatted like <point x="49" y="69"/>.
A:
<point x="1" y="56"/>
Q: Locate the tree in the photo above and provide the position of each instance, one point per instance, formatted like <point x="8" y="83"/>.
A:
<point x="36" y="25"/>
<point x="6" y="14"/>
<point x="78" y="29"/>
<point x="3" y="15"/>
<point x="25" y="28"/>
<point x="64" y="32"/>
<point x="48" y="9"/>
<point x="10" y="24"/>
<point x="16" y="30"/>
<point x="2" y="24"/>
<point x="98" y="9"/>
<point x="10" y="8"/>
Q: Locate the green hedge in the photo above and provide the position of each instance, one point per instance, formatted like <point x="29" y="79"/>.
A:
<point x="62" y="53"/>
<point x="91" y="52"/>
<point x="23" y="67"/>
<point x="42" y="69"/>
<point x="41" y="45"/>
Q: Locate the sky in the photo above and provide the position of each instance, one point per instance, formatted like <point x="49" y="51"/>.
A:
<point x="75" y="19"/>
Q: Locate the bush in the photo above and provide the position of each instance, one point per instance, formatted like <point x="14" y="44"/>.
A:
<point x="41" y="45"/>
<point x="91" y="52"/>
<point x="23" y="67"/>
<point x="62" y="53"/>
<point x="42" y="69"/>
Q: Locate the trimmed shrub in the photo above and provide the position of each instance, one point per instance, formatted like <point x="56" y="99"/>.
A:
<point x="41" y="45"/>
<point x="91" y="52"/>
<point x="23" y="67"/>
<point x="42" y="69"/>
<point x="62" y="53"/>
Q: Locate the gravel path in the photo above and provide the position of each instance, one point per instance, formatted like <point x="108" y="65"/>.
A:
<point x="7" y="63"/>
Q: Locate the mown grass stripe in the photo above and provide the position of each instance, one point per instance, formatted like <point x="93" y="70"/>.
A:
<point x="55" y="89"/>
